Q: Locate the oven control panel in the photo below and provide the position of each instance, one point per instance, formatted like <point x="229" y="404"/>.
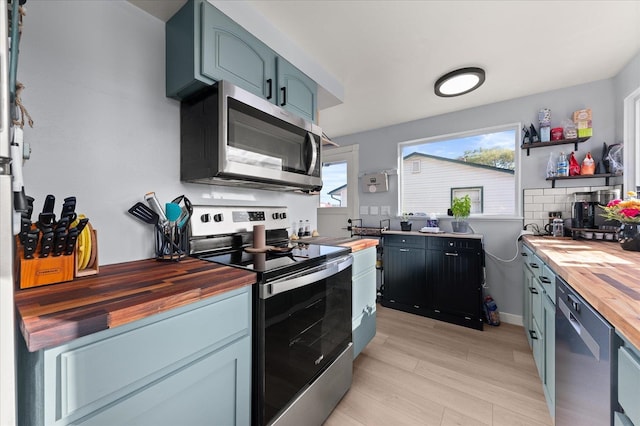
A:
<point x="220" y="220"/>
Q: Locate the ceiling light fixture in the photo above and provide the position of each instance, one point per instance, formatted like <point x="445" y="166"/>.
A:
<point x="459" y="82"/>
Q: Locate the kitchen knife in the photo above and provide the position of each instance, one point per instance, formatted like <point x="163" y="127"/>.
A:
<point x="46" y="243"/>
<point x="59" y="241"/>
<point x="72" y="238"/>
<point x="47" y="217"/>
<point x="69" y="208"/>
<point x="63" y="223"/>
<point x="27" y="214"/>
<point x="25" y="227"/>
<point x="81" y="224"/>
<point x="31" y="243"/>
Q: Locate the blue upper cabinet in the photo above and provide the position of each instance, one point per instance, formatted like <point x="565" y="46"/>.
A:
<point x="230" y="53"/>
<point x="203" y="46"/>
<point x="296" y="91"/>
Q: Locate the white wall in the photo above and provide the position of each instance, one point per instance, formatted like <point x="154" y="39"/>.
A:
<point x="104" y="130"/>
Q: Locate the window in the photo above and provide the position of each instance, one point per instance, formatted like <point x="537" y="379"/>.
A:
<point x="479" y="163"/>
<point x="334" y="185"/>
<point x="474" y="193"/>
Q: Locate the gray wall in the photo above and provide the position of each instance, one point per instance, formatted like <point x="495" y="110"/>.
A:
<point x="627" y="81"/>
<point x="378" y="151"/>
<point x="104" y="130"/>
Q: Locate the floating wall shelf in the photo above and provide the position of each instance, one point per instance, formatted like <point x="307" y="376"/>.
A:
<point x="528" y="146"/>
<point x="605" y="176"/>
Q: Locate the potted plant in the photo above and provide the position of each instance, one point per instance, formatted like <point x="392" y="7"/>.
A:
<point x="627" y="212"/>
<point x="405" y="225"/>
<point x="461" y="209"/>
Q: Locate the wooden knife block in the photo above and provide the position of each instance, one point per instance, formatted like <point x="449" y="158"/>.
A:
<point x="52" y="269"/>
<point x="43" y="270"/>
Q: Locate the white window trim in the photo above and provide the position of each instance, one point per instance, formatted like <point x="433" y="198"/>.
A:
<point x="493" y="129"/>
<point x="632" y="141"/>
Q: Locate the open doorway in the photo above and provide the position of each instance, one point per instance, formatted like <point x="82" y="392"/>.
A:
<point x="338" y="199"/>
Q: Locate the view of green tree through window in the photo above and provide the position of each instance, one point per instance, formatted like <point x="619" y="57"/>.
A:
<point x="481" y="164"/>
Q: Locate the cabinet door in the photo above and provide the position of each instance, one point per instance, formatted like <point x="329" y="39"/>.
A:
<point x="229" y="52"/>
<point x="550" y="352"/>
<point x="405" y="276"/>
<point x="215" y="390"/>
<point x="527" y="319"/>
<point x="456" y="278"/>
<point x="296" y="91"/>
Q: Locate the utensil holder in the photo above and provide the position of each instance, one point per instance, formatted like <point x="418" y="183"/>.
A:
<point x="172" y="242"/>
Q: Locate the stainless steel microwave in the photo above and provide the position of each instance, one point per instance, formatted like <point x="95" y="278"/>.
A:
<point x="230" y="136"/>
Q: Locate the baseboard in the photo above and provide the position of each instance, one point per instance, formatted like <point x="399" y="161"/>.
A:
<point x="511" y="318"/>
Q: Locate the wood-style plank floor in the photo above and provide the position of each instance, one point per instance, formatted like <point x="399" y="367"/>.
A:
<point x="419" y="371"/>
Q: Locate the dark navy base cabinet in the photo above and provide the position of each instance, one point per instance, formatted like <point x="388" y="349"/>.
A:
<point x="435" y="276"/>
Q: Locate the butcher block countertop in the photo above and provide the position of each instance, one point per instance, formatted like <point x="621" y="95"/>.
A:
<point x="605" y="276"/>
<point x="122" y="293"/>
<point x="354" y="243"/>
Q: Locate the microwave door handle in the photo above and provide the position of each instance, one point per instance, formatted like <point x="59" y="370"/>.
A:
<point x="314" y="153"/>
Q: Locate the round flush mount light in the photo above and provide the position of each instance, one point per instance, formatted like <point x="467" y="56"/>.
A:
<point x="459" y="82"/>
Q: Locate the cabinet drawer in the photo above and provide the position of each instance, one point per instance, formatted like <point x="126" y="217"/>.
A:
<point x="414" y="241"/>
<point x="629" y="383"/>
<point x="214" y="390"/>
<point x="455" y="243"/>
<point x="534" y="264"/>
<point x="548" y="279"/>
<point x="92" y="375"/>
<point x="364" y="261"/>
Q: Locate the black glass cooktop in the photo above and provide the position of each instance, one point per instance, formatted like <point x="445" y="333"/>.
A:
<point x="276" y="259"/>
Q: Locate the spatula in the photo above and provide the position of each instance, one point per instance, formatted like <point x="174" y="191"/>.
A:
<point x="144" y="213"/>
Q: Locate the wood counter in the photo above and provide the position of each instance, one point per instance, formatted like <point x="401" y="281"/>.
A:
<point x="120" y="294"/>
<point x="354" y="243"/>
<point x="605" y="276"/>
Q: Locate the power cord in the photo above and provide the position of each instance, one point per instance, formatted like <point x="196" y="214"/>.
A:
<point x="517" y="248"/>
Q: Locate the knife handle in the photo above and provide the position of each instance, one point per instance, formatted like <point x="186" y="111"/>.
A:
<point x="60" y="242"/>
<point x="30" y="244"/>
<point x="72" y="237"/>
<point x="46" y="244"/>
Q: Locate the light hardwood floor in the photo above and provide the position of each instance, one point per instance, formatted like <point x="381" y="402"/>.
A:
<point x="419" y="371"/>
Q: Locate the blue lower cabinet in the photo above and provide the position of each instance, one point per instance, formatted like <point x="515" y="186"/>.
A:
<point x="628" y="383"/>
<point x="188" y="366"/>
<point x="363" y="298"/>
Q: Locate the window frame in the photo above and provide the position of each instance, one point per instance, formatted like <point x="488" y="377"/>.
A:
<point x="468" y="189"/>
<point x="514" y="126"/>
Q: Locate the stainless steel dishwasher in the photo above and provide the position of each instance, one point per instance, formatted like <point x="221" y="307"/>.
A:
<point x="585" y="381"/>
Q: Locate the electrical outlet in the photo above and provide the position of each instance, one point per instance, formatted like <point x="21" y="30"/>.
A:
<point x="374" y="210"/>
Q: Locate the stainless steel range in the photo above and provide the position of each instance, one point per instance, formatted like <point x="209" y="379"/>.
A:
<point x="302" y="345"/>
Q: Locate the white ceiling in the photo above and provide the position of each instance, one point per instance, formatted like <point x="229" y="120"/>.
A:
<point x="388" y="54"/>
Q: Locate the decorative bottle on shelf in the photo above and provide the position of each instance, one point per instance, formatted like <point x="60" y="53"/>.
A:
<point x="307" y="228"/>
<point x="300" y="229"/>
<point x="563" y="165"/>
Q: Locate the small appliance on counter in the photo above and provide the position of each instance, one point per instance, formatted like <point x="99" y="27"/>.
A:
<point x="583" y="211"/>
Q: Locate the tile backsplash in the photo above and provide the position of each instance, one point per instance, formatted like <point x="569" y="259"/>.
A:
<point x="538" y="202"/>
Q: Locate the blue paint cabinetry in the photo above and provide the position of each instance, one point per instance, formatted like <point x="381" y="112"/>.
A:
<point x="628" y="384"/>
<point x="203" y="46"/>
<point x="191" y="365"/>
<point x="363" y="298"/>
<point x="539" y="319"/>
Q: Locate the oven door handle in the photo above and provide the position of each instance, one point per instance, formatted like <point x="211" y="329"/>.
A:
<point x="305" y="278"/>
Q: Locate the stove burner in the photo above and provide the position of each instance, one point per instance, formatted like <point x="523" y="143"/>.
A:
<point x="275" y="259"/>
